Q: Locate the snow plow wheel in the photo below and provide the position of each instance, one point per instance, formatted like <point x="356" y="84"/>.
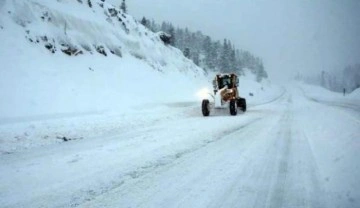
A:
<point x="233" y="110"/>
<point x="205" y="107"/>
<point x="241" y="103"/>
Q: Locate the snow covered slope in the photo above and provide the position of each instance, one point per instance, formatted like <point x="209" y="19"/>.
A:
<point x="322" y="95"/>
<point x="75" y="71"/>
<point x="64" y="57"/>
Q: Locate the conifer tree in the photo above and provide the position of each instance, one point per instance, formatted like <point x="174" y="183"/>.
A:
<point x="171" y="32"/>
<point x="144" y="22"/>
<point x="123" y="7"/>
<point x="207" y="50"/>
<point x="224" y="58"/>
<point x="216" y="56"/>
<point x="187" y="52"/>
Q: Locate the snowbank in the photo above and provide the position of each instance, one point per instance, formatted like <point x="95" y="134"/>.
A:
<point x="320" y="93"/>
<point x="355" y="94"/>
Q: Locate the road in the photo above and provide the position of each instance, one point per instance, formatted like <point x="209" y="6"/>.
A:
<point x="291" y="152"/>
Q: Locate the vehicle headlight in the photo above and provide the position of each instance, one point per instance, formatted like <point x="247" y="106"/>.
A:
<point x="203" y="93"/>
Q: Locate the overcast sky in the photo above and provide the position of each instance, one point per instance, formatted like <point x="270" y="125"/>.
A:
<point x="289" y="35"/>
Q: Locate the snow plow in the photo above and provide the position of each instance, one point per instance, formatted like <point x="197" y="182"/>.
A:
<point x="226" y="94"/>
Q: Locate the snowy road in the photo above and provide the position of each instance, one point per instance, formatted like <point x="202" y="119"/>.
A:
<point x="292" y="152"/>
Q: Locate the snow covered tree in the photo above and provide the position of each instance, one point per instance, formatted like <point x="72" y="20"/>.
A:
<point x="164" y="26"/>
<point x="209" y="54"/>
<point x="179" y="40"/>
<point x="224" y="58"/>
<point x="351" y="77"/>
<point x="123" y="7"/>
<point x="261" y="73"/>
<point x="145" y="22"/>
<point x="153" y="26"/>
<point x="216" y="49"/>
<point x="171" y="32"/>
<point x="187" y="52"/>
<point x="322" y="79"/>
<point x="195" y="57"/>
<point x="232" y="59"/>
<point x="239" y="64"/>
<point x="208" y="50"/>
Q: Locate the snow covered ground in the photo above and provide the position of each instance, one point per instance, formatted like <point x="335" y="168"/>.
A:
<point x="110" y="131"/>
<point x="26" y="132"/>
<point x="291" y="152"/>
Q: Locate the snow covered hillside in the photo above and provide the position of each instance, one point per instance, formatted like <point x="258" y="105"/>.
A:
<point x="65" y="64"/>
<point x="64" y="57"/>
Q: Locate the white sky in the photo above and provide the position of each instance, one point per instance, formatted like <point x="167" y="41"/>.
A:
<point x="290" y="35"/>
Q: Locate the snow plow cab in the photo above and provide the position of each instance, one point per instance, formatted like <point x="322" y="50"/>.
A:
<point x="226" y="94"/>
